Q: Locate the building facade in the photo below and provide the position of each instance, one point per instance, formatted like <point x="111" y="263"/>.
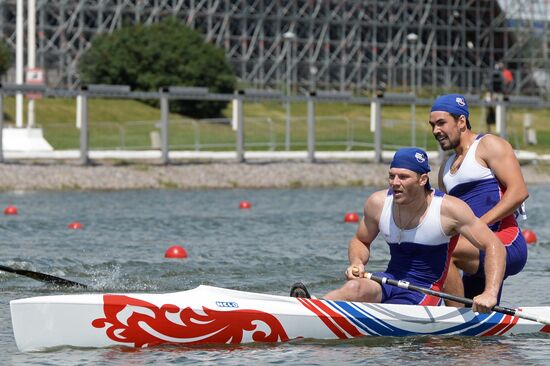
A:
<point x="357" y="45"/>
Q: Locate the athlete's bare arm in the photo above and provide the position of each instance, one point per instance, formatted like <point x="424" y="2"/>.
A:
<point x="497" y="154"/>
<point x="457" y="217"/>
<point x="359" y="246"/>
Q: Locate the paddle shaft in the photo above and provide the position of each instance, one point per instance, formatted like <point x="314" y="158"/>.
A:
<point x="499" y="309"/>
<point x="42" y="277"/>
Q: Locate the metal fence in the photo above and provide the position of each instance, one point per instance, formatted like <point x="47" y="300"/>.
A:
<point x="332" y="133"/>
<point x="269" y="133"/>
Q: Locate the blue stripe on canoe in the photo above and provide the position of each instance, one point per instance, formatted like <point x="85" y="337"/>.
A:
<point x="367" y="321"/>
<point x="484" y="323"/>
<point x="375" y="326"/>
<point x="353" y="319"/>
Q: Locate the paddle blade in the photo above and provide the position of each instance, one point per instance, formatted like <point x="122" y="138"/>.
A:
<point x="43" y="277"/>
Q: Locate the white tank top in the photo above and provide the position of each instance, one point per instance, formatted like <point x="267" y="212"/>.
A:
<point x="428" y="232"/>
<point x="420" y="255"/>
<point x="470" y="170"/>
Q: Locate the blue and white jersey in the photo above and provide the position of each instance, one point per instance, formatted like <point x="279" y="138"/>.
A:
<point x="474" y="183"/>
<point x="420" y="255"/>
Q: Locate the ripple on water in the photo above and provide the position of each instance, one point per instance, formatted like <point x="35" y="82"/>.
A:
<point x="288" y="235"/>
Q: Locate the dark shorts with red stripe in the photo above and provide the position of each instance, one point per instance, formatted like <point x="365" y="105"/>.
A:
<point x="396" y="295"/>
<point x="516" y="257"/>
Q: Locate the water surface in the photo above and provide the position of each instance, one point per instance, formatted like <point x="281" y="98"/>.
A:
<point x="288" y="235"/>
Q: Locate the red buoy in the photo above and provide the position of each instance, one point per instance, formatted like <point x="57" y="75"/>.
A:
<point x="245" y="205"/>
<point x="10" y="210"/>
<point x="351" y="217"/>
<point x="175" y="251"/>
<point x="75" y="225"/>
<point x="530" y="236"/>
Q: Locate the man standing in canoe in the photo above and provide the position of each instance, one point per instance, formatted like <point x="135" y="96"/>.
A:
<point x="484" y="172"/>
<point x="417" y="222"/>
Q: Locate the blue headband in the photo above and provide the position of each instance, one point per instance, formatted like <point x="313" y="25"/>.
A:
<point x="411" y="158"/>
<point x="414" y="159"/>
<point x="453" y="104"/>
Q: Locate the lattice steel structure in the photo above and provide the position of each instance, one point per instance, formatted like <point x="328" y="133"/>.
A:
<point x="341" y="45"/>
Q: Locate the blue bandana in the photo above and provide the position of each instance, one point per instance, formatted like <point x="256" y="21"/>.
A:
<point x="414" y="159"/>
<point x="411" y="158"/>
<point x="452" y="103"/>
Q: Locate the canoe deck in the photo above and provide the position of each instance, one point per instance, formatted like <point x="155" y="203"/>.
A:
<point x="212" y="315"/>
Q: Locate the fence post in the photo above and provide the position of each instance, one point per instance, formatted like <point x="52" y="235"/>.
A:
<point x="413" y="121"/>
<point x="376" y="127"/>
<point x="529" y="132"/>
<point x="311" y="127"/>
<point x="500" y="112"/>
<point x="78" y="110"/>
<point x="1" y="124"/>
<point x="164" y="110"/>
<point x="84" y="138"/>
<point x="240" y="125"/>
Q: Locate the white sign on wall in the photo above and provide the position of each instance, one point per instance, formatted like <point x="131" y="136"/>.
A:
<point x="35" y="76"/>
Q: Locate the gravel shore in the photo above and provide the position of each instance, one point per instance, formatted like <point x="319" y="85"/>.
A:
<point x="105" y="176"/>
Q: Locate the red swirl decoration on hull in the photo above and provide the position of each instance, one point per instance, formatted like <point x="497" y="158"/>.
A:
<point x="142" y="324"/>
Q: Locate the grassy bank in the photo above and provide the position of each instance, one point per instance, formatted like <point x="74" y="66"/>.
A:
<point x="127" y="124"/>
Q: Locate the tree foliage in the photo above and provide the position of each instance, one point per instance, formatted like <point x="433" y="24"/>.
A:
<point x="5" y="57"/>
<point x="163" y="54"/>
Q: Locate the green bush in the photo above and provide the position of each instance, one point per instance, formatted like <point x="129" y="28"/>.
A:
<point x="163" y="54"/>
<point x="5" y="57"/>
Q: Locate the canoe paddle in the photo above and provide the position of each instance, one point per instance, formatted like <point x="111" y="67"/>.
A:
<point x="43" y="277"/>
<point x="499" y="309"/>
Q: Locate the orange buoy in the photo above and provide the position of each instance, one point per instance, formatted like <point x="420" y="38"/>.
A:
<point x="351" y="217"/>
<point x="175" y="251"/>
<point x="530" y="236"/>
<point x="245" y="205"/>
<point x="10" y="210"/>
<point x="75" y="225"/>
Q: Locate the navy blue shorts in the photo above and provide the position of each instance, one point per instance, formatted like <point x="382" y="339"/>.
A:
<point x="396" y="295"/>
<point x="516" y="257"/>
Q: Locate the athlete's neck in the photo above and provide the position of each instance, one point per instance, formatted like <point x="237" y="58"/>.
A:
<point x="410" y="215"/>
<point x="466" y="140"/>
<point x="420" y="201"/>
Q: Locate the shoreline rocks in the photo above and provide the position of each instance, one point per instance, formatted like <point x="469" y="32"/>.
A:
<point x="212" y="175"/>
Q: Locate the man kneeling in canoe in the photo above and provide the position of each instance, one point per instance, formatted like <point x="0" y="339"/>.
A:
<point x="417" y="222"/>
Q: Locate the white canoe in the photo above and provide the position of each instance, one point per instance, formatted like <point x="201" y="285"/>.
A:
<point x="211" y="315"/>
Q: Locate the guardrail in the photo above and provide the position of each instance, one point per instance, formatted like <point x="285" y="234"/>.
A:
<point x="239" y="134"/>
